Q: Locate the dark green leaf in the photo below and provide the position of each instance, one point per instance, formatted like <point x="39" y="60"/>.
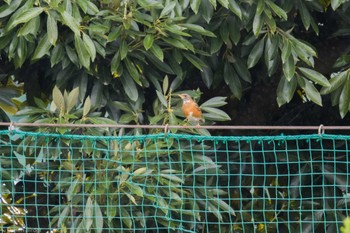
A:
<point x="195" y="5"/>
<point x="197" y="62"/>
<point x="242" y="70"/>
<point x="6" y="10"/>
<point x="278" y="10"/>
<point x="167" y="9"/>
<point x="25" y="16"/>
<point x="207" y="76"/>
<point x="206" y="10"/>
<point x="289" y="68"/>
<point x="344" y="99"/>
<point x="285" y="90"/>
<point x="231" y="79"/>
<point x="71" y="22"/>
<point x="162" y="99"/>
<point x="123" y="50"/>
<point x="335" y="82"/>
<point x="90" y="46"/>
<point x="304" y="14"/>
<point x="148" y="41"/>
<point x="235" y="8"/>
<point x="157" y="51"/>
<point x="198" y="29"/>
<point x="88" y="214"/>
<point x="215" y="102"/>
<point x="132" y="71"/>
<point x="315" y="76"/>
<point x="52" y="29"/>
<point x="82" y="52"/>
<point x="98" y="218"/>
<point x="129" y="86"/>
<point x="256" y="53"/>
<point x="286" y="50"/>
<point x="43" y="48"/>
<point x="310" y="91"/>
<point x="224" y="3"/>
<point x="257" y="24"/>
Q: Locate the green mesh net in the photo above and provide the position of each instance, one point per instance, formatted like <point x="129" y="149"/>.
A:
<point x="173" y="183"/>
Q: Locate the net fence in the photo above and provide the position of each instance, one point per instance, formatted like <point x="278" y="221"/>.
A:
<point x="173" y="183"/>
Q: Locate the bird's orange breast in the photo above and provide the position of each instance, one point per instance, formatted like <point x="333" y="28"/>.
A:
<point x="191" y="109"/>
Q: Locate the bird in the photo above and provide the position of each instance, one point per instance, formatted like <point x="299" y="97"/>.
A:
<point x="190" y="109"/>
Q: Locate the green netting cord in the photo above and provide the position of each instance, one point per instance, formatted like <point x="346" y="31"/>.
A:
<point x="173" y="183"/>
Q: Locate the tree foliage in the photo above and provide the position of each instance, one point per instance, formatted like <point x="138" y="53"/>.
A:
<point x="118" y="50"/>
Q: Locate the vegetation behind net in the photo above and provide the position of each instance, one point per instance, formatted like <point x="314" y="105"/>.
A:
<point x="173" y="183"/>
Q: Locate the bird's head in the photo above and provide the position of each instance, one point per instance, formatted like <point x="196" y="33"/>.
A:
<point x="185" y="97"/>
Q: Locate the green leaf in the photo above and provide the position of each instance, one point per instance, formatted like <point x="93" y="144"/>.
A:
<point x="235" y="8"/>
<point x="124" y="48"/>
<point x="82" y="52"/>
<point x="162" y="99"/>
<point x="58" y="99"/>
<point x="127" y="219"/>
<point x="344" y="99"/>
<point x="129" y="86"/>
<point x="289" y="68"/>
<point x="22" y="52"/>
<point x="195" y="5"/>
<point x="217" y="101"/>
<point x="304" y="14"/>
<point x="63" y="215"/>
<point x="167" y="9"/>
<point x="224" y="3"/>
<point x="162" y="66"/>
<point x="21" y="158"/>
<point x="132" y="71"/>
<point x="310" y="91"/>
<point x="123" y="106"/>
<point x="87" y="106"/>
<point x="52" y="30"/>
<point x="90" y="46"/>
<point x="286" y="50"/>
<point x="224" y="206"/>
<point x="231" y="79"/>
<point x="43" y="48"/>
<point x="135" y="189"/>
<point x="148" y="41"/>
<point x="72" y="99"/>
<point x="206" y="10"/>
<point x="6" y="10"/>
<point x="285" y="90"/>
<point x="157" y="51"/>
<point x="25" y="16"/>
<point x="197" y="62"/>
<point x="256" y="53"/>
<point x="72" y="55"/>
<point x="215" y="45"/>
<point x="207" y="76"/>
<point x="315" y="76"/>
<point x="199" y="29"/>
<point x="260" y="7"/>
<point x="88" y="214"/>
<point x="336" y="3"/>
<point x="71" y="22"/>
<point x="175" y="43"/>
<point x="257" y="24"/>
<point x="98" y="218"/>
<point x="278" y="10"/>
<point x="165" y="84"/>
<point x="335" y="82"/>
<point x="242" y="70"/>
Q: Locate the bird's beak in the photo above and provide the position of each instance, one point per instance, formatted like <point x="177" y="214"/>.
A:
<point x="181" y="96"/>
